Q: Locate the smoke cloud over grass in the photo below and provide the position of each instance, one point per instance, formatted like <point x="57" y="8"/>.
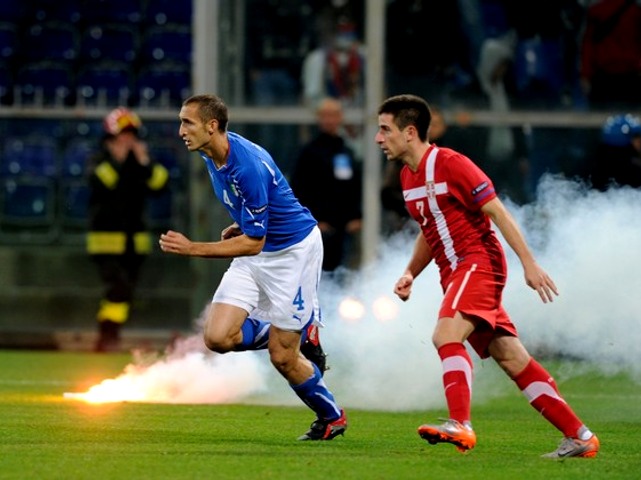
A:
<point x="590" y="244"/>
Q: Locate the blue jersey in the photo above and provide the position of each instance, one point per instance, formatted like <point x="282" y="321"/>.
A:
<point x="257" y="196"/>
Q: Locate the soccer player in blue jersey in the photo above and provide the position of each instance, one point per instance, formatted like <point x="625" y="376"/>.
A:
<point x="269" y="295"/>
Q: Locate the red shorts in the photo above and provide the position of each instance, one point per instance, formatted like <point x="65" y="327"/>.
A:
<point x="477" y="293"/>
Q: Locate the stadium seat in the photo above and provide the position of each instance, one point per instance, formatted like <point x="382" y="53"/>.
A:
<point x="67" y="11"/>
<point x="9" y="41"/>
<point x="163" y="84"/>
<point x="104" y="83"/>
<point x="29" y="127"/>
<point x="45" y="83"/>
<point x="27" y="201"/>
<point x="162" y="12"/>
<point x="75" y="156"/>
<point x="27" y="209"/>
<point x="74" y="208"/>
<point x="112" y="11"/>
<point x="55" y="41"/>
<point x="35" y="156"/>
<point x="115" y="42"/>
<point x="169" y="42"/>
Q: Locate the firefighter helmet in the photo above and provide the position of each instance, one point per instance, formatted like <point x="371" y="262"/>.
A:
<point x="121" y="119"/>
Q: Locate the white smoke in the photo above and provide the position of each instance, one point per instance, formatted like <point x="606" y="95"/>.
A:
<point x="587" y="241"/>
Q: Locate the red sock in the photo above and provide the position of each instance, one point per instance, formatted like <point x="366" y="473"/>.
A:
<point x="540" y="389"/>
<point x="457" y="380"/>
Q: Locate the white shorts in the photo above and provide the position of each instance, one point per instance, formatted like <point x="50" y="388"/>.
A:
<point x="277" y="287"/>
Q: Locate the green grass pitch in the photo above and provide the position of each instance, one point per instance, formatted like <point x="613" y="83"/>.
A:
<point x="44" y="436"/>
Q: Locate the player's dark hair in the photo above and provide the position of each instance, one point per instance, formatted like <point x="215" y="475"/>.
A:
<point x="210" y="107"/>
<point x="408" y="110"/>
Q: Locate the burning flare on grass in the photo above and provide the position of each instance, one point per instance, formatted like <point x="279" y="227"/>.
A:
<point x="193" y="377"/>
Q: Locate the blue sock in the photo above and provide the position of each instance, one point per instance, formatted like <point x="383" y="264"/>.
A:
<point x="314" y="393"/>
<point x="255" y="335"/>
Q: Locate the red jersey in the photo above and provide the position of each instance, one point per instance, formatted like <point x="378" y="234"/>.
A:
<point x="444" y="196"/>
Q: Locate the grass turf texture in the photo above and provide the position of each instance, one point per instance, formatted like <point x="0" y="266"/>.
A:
<point x="45" y="436"/>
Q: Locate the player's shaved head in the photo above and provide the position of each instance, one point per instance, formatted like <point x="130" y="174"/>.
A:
<point x="210" y="107"/>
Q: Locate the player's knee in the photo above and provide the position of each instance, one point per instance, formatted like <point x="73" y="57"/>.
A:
<point x="439" y="339"/>
<point x="219" y="345"/>
<point x="510" y="354"/>
<point x="283" y="360"/>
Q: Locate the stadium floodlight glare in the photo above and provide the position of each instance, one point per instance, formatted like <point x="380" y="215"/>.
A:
<point x="351" y="310"/>
<point x="385" y="309"/>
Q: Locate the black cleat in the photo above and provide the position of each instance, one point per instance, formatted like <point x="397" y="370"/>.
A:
<point x="326" y="429"/>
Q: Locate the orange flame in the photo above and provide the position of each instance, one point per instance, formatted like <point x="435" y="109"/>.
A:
<point x="194" y="378"/>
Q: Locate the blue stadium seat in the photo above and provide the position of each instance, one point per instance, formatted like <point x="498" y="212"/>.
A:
<point x="35" y="156"/>
<point x="74" y="208"/>
<point x="45" y="83"/>
<point x="169" y="42"/>
<point x="28" y="210"/>
<point x="29" y="127"/>
<point x="9" y="41"/>
<point x="67" y="11"/>
<point x="75" y="155"/>
<point x="109" y="42"/>
<point x="163" y="84"/>
<point x="54" y="41"/>
<point x="112" y="11"/>
<point x="162" y="12"/>
<point x="27" y="202"/>
<point x="104" y="83"/>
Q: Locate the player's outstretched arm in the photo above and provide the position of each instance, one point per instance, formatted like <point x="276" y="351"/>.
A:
<point x="239" y="246"/>
<point x="535" y="277"/>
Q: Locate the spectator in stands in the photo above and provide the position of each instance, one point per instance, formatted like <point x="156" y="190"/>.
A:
<point x="327" y="180"/>
<point x="506" y="159"/>
<point x="336" y="69"/>
<point x="122" y="176"/>
<point x="279" y="35"/>
<point x="611" y="53"/>
<point x="544" y="76"/>
<point x="618" y="155"/>
<point x="437" y="71"/>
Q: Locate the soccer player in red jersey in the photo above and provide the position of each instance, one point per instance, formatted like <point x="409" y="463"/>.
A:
<point x="453" y="202"/>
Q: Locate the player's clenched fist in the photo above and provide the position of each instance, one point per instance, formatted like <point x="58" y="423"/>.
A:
<point x="175" y="242"/>
<point x="403" y="287"/>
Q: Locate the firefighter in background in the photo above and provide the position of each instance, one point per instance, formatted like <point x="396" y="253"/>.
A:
<point x="122" y="176"/>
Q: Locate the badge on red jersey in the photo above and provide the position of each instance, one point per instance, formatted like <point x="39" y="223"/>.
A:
<point x="431" y="190"/>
